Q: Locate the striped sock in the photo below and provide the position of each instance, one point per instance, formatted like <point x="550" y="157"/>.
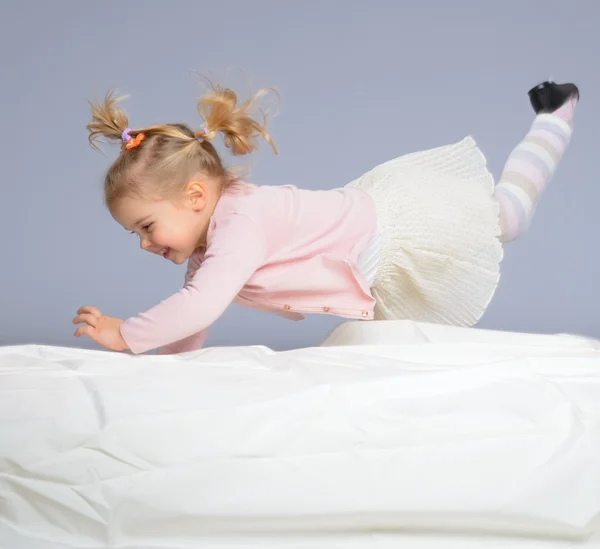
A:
<point x="567" y="111"/>
<point x="530" y="168"/>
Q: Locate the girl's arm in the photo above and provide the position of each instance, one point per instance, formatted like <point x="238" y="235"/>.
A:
<point x="195" y="341"/>
<point x="192" y="343"/>
<point x="236" y="251"/>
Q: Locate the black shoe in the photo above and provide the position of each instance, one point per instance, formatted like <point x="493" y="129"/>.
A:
<point x="549" y="96"/>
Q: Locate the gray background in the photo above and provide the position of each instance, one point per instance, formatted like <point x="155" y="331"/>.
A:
<point x="361" y="82"/>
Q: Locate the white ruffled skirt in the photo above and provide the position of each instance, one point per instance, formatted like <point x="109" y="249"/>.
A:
<point x="440" y="249"/>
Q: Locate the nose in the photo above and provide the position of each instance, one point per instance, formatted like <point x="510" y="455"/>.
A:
<point x="144" y="244"/>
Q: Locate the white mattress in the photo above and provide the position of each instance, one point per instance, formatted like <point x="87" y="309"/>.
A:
<point x="389" y="435"/>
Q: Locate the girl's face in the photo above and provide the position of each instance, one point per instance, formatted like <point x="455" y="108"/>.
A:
<point x="172" y="228"/>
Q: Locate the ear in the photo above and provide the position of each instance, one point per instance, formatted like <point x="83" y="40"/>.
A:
<point x="196" y="193"/>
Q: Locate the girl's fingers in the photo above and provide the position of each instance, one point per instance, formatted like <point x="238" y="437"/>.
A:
<point x="87" y="318"/>
<point x="89" y="310"/>
<point x="84" y="330"/>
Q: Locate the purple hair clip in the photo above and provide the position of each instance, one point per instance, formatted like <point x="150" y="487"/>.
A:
<point x="125" y="135"/>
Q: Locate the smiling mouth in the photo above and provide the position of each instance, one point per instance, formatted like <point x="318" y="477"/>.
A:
<point x="165" y="252"/>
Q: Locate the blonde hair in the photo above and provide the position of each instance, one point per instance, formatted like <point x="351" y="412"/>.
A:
<point x="166" y="156"/>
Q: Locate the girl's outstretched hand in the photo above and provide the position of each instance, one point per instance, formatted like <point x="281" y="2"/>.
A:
<point x="104" y="330"/>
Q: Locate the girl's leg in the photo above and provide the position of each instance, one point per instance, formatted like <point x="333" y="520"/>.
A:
<point x="532" y="163"/>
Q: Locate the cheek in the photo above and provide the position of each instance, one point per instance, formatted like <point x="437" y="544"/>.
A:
<point x="173" y="237"/>
<point x="159" y="236"/>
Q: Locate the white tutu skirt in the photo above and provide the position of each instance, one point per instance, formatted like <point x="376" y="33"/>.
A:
<point x="441" y="252"/>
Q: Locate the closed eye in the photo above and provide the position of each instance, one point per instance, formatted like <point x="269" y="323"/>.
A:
<point x="146" y="227"/>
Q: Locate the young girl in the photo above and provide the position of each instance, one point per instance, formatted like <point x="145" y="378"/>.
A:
<point x="419" y="237"/>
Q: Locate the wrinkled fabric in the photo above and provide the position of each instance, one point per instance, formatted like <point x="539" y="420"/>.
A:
<point x="385" y="432"/>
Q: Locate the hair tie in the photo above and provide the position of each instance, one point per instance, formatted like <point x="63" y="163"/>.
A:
<point x="131" y="142"/>
<point x="135" y="141"/>
<point x="203" y="130"/>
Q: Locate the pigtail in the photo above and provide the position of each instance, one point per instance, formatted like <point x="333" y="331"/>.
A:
<point x="108" y="120"/>
<point x="161" y="159"/>
<point x="222" y="114"/>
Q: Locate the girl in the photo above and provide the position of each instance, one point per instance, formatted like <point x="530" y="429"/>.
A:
<point x="419" y="237"/>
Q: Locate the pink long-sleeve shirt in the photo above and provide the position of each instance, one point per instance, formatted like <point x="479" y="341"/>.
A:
<point x="278" y="249"/>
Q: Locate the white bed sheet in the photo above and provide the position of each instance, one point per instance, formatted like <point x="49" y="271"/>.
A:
<point x="389" y="433"/>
